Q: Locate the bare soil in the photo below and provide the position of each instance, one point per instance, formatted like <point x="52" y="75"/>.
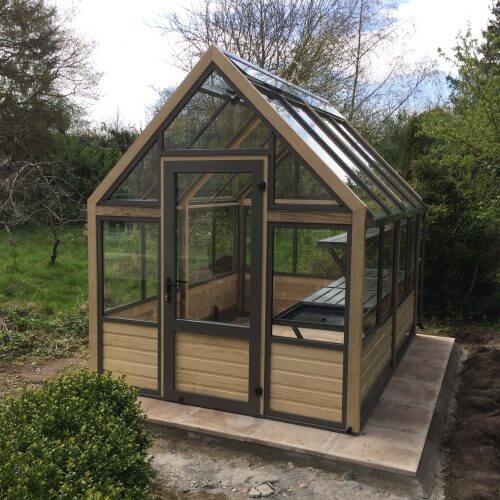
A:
<point x="473" y="462"/>
<point x="16" y="376"/>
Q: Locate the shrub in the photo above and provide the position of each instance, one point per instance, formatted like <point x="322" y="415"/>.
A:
<point x="81" y="436"/>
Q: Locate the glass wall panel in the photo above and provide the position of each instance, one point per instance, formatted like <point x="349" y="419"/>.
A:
<point x="387" y="269"/>
<point x="293" y="180"/>
<point x="215" y="118"/>
<point x="309" y="282"/>
<point x="141" y="184"/>
<point x="130" y="270"/>
<point x="410" y="265"/>
<point x="403" y="239"/>
<point x="371" y="278"/>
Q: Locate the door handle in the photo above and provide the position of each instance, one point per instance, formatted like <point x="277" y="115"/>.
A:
<point x="168" y="288"/>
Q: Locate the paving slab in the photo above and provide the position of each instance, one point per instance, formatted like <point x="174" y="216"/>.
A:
<point x="393" y="438"/>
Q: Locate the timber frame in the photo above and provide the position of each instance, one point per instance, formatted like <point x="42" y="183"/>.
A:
<point x="159" y="341"/>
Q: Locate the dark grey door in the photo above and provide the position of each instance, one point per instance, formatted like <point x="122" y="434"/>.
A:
<point x="212" y="261"/>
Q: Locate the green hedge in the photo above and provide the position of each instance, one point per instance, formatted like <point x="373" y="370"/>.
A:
<point x="81" y="436"/>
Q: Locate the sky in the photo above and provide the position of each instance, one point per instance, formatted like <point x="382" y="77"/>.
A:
<point x="135" y="58"/>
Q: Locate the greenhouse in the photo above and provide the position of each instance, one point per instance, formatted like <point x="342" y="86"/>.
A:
<point x="252" y="253"/>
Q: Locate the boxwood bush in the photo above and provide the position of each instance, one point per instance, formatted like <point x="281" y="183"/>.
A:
<point x="80" y="436"/>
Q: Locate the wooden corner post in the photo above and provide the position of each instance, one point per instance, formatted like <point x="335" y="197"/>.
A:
<point x="355" y="339"/>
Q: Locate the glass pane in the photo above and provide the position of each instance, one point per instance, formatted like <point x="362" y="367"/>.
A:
<point x="225" y="243"/>
<point x="403" y="239"/>
<point x="379" y="194"/>
<point x="215" y="118"/>
<point x="412" y="239"/>
<point x="285" y="178"/>
<point x="293" y="180"/>
<point x="371" y="278"/>
<point x="371" y="167"/>
<point x="142" y="181"/>
<point x="283" y="250"/>
<point x="309" y="284"/>
<point x="267" y="78"/>
<point x="130" y="270"/>
<point x="248" y="237"/>
<point x="387" y="268"/>
<point x="200" y="231"/>
<point x="359" y="190"/>
<point x="309" y="186"/>
<point x="218" y="282"/>
<point x="376" y="160"/>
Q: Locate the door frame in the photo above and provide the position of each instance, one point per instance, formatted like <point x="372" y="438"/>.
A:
<point x="256" y="166"/>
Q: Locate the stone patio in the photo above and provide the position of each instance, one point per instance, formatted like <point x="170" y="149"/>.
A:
<point x="393" y="439"/>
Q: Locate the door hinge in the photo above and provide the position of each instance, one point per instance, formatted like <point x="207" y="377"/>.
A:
<point x="262" y="186"/>
<point x="258" y="391"/>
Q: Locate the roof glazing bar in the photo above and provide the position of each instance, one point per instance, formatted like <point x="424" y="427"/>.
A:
<point x="332" y="153"/>
<point x="347" y="152"/>
<point x="381" y="159"/>
<point x="397" y="185"/>
<point x="275" y="77"/>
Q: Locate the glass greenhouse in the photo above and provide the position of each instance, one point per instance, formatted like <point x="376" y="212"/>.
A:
<point x="252" y="253"/>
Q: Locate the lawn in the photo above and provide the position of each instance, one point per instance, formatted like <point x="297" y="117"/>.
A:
<point x="26" y="277"/>
<point x="42" y="306"/>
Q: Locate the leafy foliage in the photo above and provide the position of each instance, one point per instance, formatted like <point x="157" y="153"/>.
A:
<point x="82" y="436"/>
<point x="42" y="67"/>
<point x="451" y="155"/>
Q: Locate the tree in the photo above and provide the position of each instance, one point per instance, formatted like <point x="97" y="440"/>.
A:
<point x="451" y="154"/>
<point x="327" y="46"/>
<point x="43" y="68"/>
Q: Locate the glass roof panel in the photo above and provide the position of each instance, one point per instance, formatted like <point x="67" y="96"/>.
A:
<point x="265" y="77"/>
<point x="403" y="189"/>
<point x="372" y="167"/>
<point x="375" y="209"/>
<point x="378" y="192"/>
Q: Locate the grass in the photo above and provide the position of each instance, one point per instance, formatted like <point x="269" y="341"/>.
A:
<point x="42" y="306"/>
<point x="26" y="277"/>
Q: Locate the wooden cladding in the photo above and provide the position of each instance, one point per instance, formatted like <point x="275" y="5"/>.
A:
<point x="306" y="381"/>
<point x="376" y="356"/>
<point x="405" y="319"/>
<point x="212" y="365"/>
<point x="132" y="351"/>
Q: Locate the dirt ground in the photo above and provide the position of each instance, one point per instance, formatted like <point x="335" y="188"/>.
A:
<point x="16" y="376"/>
<point x="193" y="466"/>
<point x="473" y="443"/>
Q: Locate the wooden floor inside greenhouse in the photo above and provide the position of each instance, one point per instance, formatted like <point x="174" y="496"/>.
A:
<point x="393" y="438"/>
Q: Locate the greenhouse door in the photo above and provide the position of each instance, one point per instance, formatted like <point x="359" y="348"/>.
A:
<point x="212" y="212"/>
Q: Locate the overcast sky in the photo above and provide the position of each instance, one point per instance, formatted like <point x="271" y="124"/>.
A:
<point x="135" y="58"/>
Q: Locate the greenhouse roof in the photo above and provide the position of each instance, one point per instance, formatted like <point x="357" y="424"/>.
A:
<point x="358" y="165"/>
